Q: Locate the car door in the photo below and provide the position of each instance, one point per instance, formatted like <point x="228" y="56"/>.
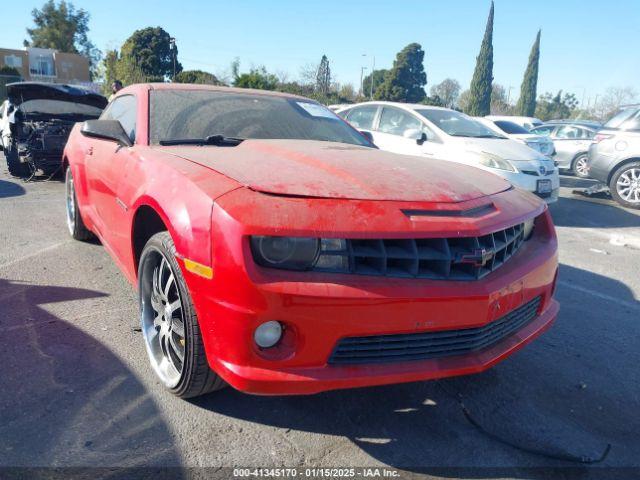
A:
<point x="397" y="131"/>
<point x="569" y="140"/>
<point x="105" y="167"/>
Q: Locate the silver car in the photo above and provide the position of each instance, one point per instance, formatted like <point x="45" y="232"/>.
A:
<point x="614" y="156"/>
<point x="572" y="141"/>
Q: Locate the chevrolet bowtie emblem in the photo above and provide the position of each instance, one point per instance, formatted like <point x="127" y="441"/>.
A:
<point x="479" y="258"/>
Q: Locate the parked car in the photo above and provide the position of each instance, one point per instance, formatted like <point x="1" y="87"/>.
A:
<point x="614" y="156"/>
<point x="515" y="132"/>
<point x="444" y="134"/>
<point x="38" y="121"/>
<point x="274" y="249"/>
<point x="572" y="143"/>
<point x="5" y="111"/>
<point x="525" y="122"/>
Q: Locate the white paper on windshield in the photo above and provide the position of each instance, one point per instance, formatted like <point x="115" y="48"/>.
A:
<point x="316" y="110"/>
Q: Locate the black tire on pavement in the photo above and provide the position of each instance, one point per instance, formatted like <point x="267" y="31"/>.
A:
<point x="196" y="377"/>
<point x="620" y="179"/>
<point x="579" y="164"/>
<point x="16" y="168"/>
<point x="76" y="226"/>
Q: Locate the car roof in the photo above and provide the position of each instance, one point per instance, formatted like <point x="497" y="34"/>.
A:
<point x="406" y="106"/>
<point x="590" y="126"/>
<point x="215" y="88"/>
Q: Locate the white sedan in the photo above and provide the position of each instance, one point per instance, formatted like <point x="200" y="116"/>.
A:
<point x="520" y="134"/>
<point x="444" y="134"/>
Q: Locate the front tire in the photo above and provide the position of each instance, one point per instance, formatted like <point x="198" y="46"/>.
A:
<point x="17" y="169"/>
<point x="625" y="185"/>
<point x="580" y="166"/>
<point x="76" y="226"/>
<point x="169" y="323"/>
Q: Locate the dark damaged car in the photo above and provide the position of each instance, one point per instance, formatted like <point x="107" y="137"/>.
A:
<point x="38" y="120"/>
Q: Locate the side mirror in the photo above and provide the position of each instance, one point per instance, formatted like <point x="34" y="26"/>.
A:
<point x="367" y="135"/>
<point x="106" y="130"/>
<point x="416" y="134"/>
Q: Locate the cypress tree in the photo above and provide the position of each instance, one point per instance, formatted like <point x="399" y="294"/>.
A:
<point x="480" y="89"/>
<point x="528" y="91"/>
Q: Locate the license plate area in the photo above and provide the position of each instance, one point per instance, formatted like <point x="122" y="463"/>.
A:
<point x="544" y="186"/>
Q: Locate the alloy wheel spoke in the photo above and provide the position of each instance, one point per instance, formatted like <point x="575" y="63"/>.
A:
<point x="157" y="321"/>
<point x="175" y="306"/>
<point x="177" y="327"/>
<point x="168" y="285"/>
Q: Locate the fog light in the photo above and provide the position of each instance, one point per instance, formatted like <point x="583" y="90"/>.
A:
<point x="268" y="334"/>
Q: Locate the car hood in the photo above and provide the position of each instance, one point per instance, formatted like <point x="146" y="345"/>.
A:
<point x="304" y="168"/>
<point x="504" y="148"/>
<point x="20" y="92"/>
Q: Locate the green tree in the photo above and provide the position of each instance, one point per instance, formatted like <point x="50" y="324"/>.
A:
<point x="257" y="78"/>
<point x="197" y="76"/>
<point x="406" y="80"/>
<point x="9" y="71"/>
<point x="63" y="28"/>
<point x="323" y="77"/>
<point x="109" y="70"/>
<point x="147" y="53"/>
<point x="377" y="77"/>
<point x="526" y="105"/>
<point x="499" y="104"/>
<point x="554" y="107"/>
<point x="447" y="92"/>
<point x="480" y="89"/>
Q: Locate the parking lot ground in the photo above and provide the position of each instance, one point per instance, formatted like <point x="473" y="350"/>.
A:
<point x="76" y="389"/>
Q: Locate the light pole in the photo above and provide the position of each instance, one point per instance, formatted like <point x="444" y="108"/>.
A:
<point x="172" y="47"/>
<point x="373" y="71"/>
<point x="362" y="69"/>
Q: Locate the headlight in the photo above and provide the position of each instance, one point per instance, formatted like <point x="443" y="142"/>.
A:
<point x="289" y="253"/>
<point x="528" y="228"/>
<point x="493" y="161"/>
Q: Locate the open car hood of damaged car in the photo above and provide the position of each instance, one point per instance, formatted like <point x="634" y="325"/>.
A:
<point x="306" y="168"/>
<point x="21" y="92"/>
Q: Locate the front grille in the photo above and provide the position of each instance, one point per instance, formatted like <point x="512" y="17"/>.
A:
<point x="426" y="345"/>
<point x="456" y="258"/>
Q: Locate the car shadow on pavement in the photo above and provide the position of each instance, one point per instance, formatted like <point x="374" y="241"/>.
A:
<point x="67" y="401"/>
<point x="10" y="189"/>
<point x="583" y="213"/>
<point x="577" y="182"/>
<point x="571" y="391"/>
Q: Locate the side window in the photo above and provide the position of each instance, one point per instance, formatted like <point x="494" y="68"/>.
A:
<point x="569" y="132"/>
<point x="586" y="134"/>
<point x="124" y="109"/>
<point x="362" y="117"/>
<point x="546" y="131"/>
<point x="395" y="121"/>
<point x="344" y="113"/>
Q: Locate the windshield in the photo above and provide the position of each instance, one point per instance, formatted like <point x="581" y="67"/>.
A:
<point x="510" y="127"/>
<point x="198" y="114"/>
<point x="627" y="119"/>
<point x="457" y="124"/>
<point x="59" y="108"/>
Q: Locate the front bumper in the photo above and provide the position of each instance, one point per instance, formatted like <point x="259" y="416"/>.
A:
<point x="319" y="309"/>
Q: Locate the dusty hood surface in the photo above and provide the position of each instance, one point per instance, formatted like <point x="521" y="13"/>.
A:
<point x="504" y="148"/>
<point x="335" y="170"/>
<point x="25" y="91"/>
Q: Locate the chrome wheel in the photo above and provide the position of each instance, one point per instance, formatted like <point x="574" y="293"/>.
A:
<point x="628" y="185"/>
<point x="582" y="166"/>
<point x="70" y="200"/>
<point x="163" y="323"/>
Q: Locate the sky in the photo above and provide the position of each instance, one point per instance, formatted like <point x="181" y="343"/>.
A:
<point x="586" y="45"/>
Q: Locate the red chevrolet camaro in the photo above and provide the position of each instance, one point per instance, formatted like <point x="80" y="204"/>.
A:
<point x="277" y="250"/>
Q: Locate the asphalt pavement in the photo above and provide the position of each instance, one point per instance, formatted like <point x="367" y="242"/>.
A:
<point x="76" y="389"/>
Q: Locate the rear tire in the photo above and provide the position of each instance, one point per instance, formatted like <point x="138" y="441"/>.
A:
<point x="76" y="226"/>
<point x="580" y="166"/>
<point x="625" y="185"/>
<point x="17" y="169"/>
<point x="169" y="323"/>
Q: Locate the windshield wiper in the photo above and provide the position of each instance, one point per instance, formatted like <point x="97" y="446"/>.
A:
<point x="217" y="140"/>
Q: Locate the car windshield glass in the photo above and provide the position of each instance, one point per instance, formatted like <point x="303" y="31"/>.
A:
<point x="625" y="119"/>
<point x="510" y="127"/>
<point x="58" y="107"/>
<point x="198" y="114"/>
<point x="457" y="124"/>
